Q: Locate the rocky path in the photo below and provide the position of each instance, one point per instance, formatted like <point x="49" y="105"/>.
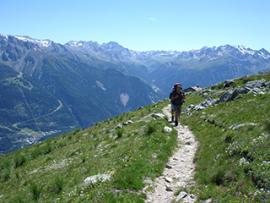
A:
<point x="179" y="170"/>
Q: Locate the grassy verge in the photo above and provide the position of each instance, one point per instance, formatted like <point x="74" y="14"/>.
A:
<point x="233" y="159"/>
<point x="54" y="170"/>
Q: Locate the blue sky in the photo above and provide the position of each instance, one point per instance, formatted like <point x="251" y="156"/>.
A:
<point x="142" y="24"/>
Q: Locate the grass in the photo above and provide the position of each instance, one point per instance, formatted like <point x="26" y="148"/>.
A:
<point x="35" y="190"/>
<point x="54" y="170"/>
<point x="232" y="165"/>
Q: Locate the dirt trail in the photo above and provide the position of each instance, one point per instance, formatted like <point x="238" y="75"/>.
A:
<point x="179" y="170"/>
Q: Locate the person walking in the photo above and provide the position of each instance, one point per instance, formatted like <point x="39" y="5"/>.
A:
<point x="172" y="107"/>
<point x="177" y="98"/>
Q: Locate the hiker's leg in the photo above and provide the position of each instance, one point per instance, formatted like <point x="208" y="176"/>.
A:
<point x="172" y="115"/>
<point x="177" y="113"/>
<point x="172" y="112"/>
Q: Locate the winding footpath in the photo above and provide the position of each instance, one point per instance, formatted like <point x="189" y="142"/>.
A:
<point x="179" y="170"/>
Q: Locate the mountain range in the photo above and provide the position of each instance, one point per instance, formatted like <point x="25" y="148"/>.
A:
<point x="47" y="88"/>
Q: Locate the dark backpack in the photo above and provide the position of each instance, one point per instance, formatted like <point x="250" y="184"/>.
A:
<point x="180" y="98"/>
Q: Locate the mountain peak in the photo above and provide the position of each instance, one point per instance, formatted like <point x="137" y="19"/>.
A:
<point x="80" y="43"/>
<point x="42" y="43"/>
<point x="112" y="45"/>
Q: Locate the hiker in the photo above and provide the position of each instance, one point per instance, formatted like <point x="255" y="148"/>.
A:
<point x="177" y="97"/>
<point x="172" y="108"/>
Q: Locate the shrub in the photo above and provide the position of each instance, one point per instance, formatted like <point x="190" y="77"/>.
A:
<point x="119" y="133"/>
<point x="35" y="191"/>
<point x="4" y="175"/>
<point x="57" y="185"/>
<point x="218" y="177"/>
<point x="19" y="160"/>
<point x="150" y="129"/>
<point x="4" y="170"/>
<point x="228" y="138"/>
<point x="267" y="126"/>
<point x="41" y="150"/>
<point x="76" y="131"/>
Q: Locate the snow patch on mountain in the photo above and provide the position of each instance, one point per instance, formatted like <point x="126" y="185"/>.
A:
<point x="155" y="88"/>
<point x="100" y="85"/>
<point x="42" y="43"/>
<point x="75" y="43"/>
<point x="124" y="98"/>
<point x="245" y="50"/>
<point x="264" y="54"/>
<point x="5" y="37"/>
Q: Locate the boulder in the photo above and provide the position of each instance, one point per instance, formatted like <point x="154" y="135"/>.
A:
<point x="229" y="95"/>
<point x="119" y="125"/>
<point x="255" y="83"/>
<point x="228" y="83"/>
<point x="205" y="94"/>
<point x="191" y="106"/>
<point x="96" y="178"/>
<point x="209" y="102"/>
<point x="242" y="90"/>
<point x="267" y="84"/>
<point x="158" y="115"/>
<point x="167" y="129"/>
<point x="199" y="107"/>
<point x="128" y="122"/>
<point x="193" y="89"/>
<point x="256" y="90"/>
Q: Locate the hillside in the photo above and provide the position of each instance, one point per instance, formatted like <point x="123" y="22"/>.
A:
<point x="46" y="91"/>
<point x="115" y="159"/>
<point x="125" y="150"/>
<point x="233" y="160"/>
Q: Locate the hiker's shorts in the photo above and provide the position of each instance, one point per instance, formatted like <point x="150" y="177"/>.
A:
<point x="175" y="107"/>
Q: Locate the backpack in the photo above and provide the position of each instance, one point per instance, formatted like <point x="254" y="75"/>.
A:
<point x="180" y="98"/>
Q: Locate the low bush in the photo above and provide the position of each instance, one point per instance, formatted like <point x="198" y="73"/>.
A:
<point x="19" y="160"/>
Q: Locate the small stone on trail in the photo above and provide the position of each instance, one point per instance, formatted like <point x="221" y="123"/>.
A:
<point x="168" y="188"/>
<point x="181" y="196"/>
<point x="168" y="166"/>
<point x="168" y="179"/>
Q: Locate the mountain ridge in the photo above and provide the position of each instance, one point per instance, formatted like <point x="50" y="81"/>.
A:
<point x="96" y="81"/>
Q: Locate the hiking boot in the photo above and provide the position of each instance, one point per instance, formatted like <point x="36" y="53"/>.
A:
<point x="176" y="123"/>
